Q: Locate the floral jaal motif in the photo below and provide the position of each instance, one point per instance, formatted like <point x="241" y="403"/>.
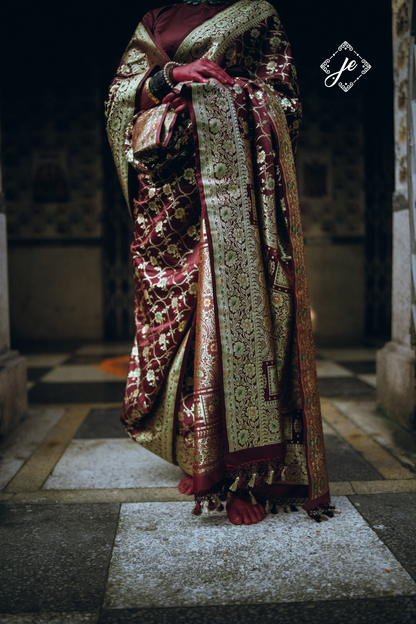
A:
<point x="165" y="255"/>
<point x="156" y="432"/>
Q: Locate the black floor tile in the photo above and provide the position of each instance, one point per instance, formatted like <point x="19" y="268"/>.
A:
<point x="360" y="368"/>
<point x="34" y="374"/>
<point x="86" y="359"/>
<point x="393" y="518"/>
<point x="86" y="392"/>
<point x="345" y="464"/>
<point x="27" y="347"/>
<point x="55" y="557"/>
<point x="400" y="610"/>
<point x="102" y="423"/>
<point x="345" y="387"/>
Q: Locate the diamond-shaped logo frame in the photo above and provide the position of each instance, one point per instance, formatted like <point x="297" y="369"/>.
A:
<point x="345" y="86"/>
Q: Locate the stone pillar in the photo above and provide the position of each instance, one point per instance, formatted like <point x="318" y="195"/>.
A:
<point x="13" y="377"/>
<point x="396" y="361"/>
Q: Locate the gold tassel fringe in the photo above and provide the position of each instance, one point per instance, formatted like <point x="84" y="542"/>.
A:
<point x="234" y="486"/>
<point x="252" y="481"/>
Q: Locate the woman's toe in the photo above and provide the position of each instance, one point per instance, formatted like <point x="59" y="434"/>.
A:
<point x="235" y="517"/>
<point x="248" y="519"/>
<point x="259" y="511"/>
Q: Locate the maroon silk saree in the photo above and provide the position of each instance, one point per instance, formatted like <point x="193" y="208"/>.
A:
<point x="222" y="378"/>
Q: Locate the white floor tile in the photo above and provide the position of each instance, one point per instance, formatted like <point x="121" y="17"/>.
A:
<point x="23" y="441"/>
<point x="78" y="373"/>
<point x="370" y="379"/>
<point x="324" y="368"/>
<point x="102" y="464"/>
<point x="164" y="557"/>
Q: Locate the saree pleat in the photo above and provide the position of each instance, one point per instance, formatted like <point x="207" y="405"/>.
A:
<point x="222" y="378"/>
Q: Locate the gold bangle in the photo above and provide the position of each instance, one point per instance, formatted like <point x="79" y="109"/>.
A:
<point x="149" y="93"/>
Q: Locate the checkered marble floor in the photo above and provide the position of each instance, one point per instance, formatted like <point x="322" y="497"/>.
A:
<point x="51" y="377"/>
<point x="93" y="528"/>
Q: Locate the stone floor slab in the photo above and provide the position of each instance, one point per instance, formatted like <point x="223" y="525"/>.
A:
<point x="345" y="387"/>
<point x="378" y="611"/>
<point x="388" y="486"/>
<point x="118" y="495"/>
<point x="71" y="617"/>
<point x="78" y="373"/>
<point x="91" y="464"/>
<point x="371" y="380"/>
<point x="36" y="470"/>
<point x="55" y="557"/>
<point x="106" y="349"/>
<point x="361" y="367"/>
<point x="345" y="464"/>
<point x="23" y="441"/>
<point x="349" y="355"/>
<point x="166" y="557"/>
<point x="102" y="423"/>
<point x="398" y="441"/>
<point x="392" y="516"/>
<point x="325" y="368"/>
<point x="87" y="392"/>
<point x="384" y="462"/>
<point x="45" y="360"/>
<point x="35" y="374"/>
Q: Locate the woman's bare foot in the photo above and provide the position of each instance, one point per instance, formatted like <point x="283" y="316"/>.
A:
<point x="241" y="511"/>
<point x="186" y="485"/>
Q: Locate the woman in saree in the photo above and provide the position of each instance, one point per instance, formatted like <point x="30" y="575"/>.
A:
<point x="203" y="118"/>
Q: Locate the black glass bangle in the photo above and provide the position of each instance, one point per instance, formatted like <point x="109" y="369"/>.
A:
<point x="158" y="85"/>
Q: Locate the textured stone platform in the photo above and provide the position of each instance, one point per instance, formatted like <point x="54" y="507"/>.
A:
<point x="165" y="557"/>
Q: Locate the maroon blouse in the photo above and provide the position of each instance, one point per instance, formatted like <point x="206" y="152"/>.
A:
<point x="169" y="25"/>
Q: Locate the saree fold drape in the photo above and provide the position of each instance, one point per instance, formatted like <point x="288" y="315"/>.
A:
<point x="222" y="378"/>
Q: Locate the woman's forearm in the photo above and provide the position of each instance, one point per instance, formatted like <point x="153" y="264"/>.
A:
<point x="144" y="101"/>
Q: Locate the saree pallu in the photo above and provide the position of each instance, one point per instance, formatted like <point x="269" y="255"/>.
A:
<point x="222" y="378"/>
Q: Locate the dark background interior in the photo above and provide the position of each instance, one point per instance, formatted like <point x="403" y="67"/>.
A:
<point x="76" y="42"/>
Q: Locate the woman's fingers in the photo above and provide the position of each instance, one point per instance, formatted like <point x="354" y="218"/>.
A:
<point x="169" y="97"/>
<point x="215" y="71"/>
<point x="201" y="71"/>
<point x="184" y="108"/>
<point x="177" y="102"/>
<point x="205" y="75"/>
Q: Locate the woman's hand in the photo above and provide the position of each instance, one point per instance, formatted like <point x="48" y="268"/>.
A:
<point x="198" y="71"/>
<point x="201" y="71"/>
<point x="177" y="101"/>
